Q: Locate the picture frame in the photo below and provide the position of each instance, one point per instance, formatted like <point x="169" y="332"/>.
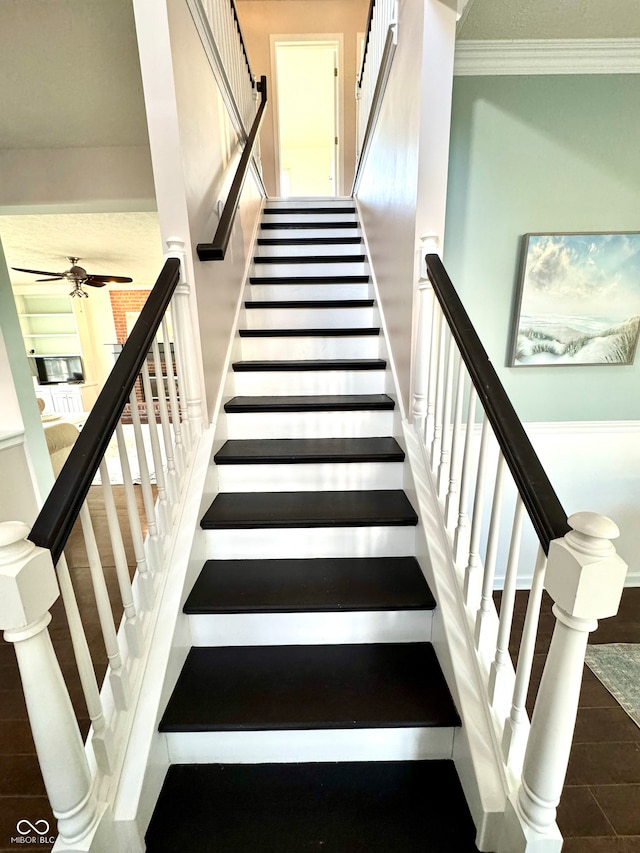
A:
<point x="578" y="300"/>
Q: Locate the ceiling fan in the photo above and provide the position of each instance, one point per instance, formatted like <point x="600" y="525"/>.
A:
<point x="79" y="277"/>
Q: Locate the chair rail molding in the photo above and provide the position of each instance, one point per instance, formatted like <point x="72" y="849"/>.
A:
<point x="547" y="56"/>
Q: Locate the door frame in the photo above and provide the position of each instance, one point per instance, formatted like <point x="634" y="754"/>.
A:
<point x="336" y="39"/>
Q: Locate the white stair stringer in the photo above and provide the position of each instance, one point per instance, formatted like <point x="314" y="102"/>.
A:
<point x="477" y="753"/>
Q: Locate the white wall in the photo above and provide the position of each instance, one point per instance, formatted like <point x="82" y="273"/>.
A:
<point x="402" y="194"/>
<point x="76" y="179"/>
<point x="191" y="140"/>
<point x="25" y="465"/>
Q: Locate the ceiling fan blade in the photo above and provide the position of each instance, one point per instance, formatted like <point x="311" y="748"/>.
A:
<point x="39" y="272"/>
<point x="55" y="278"/>
<point x="107" y="279"/>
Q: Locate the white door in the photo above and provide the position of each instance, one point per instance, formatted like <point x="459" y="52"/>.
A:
<point x="307" y="137"/>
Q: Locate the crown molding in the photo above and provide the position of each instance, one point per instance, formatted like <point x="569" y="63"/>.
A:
<point x="545" y="56"/>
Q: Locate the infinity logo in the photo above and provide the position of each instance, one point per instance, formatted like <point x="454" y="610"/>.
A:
<point x="40" y="827"/>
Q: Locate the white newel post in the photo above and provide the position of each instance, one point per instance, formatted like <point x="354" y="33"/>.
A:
<point x="585" y="578"/>
<point x="184" y="334"/>
<point x="422" y="369"/>
<point x="28" y="588"/>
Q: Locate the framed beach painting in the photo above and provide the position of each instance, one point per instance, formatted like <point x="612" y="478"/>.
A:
<point x="578" y="300"/>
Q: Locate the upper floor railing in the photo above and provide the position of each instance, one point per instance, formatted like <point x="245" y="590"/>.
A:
<point x="380" y="43"/>
<point x="488" y="480"/>
<point x="220" y="33"/>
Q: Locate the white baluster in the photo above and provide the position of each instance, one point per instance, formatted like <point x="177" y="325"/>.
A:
<point x="471" y="572"/>
<point x="102" y="738"/>
<point x="585" y="578"/>
<point x="173" y="489"/>
<point x="132" y="623"/>
<point x="155" y="544"/>
<point x="514" y="736"/>
<point x="144" y="578"/>
<point x="461" y="535"/>
<point x="180" y="453"/>
<point x="164" y="510"/>
<point x="484" y="640"/>
<point x="184" y="337"/>
<point x="28" y="588"/>
<point x="118" y="675"/>
<point x="443" y="336"/>
<point x="446" y="436"/>
<point x="452" y="501"/>
<point x="422" y="365"/>
<point x="499" y="664"/>
<point x="436" y="318"/>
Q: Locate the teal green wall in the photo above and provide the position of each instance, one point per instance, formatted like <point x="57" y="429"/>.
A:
<point x="546" y="154"/>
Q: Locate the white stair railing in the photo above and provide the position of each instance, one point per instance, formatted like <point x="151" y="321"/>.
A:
<point x="380" y="43"/>
<point x="219" y="28"/>
<point x="488" y="480"/>
<point x="34" y="572"/>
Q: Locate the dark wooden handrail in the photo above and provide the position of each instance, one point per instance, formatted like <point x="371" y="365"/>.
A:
<point x="540" y="500"/>
<point x="61" y="508"/>
<point x="215" y="250"/>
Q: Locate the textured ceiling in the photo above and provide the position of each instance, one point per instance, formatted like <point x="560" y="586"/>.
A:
<point x="70" y="74"/>
<point x="551" y="19"/>
<point x="108" y="244"/>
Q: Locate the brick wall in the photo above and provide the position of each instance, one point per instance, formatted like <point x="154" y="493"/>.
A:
<point x="125" y="302"/>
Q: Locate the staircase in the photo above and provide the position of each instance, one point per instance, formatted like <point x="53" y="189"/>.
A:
<point x="311" y="712"/>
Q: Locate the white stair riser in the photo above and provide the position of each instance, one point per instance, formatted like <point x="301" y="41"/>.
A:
<point x="308" y="250"/>
<point x="303" y="629"/>
<point x="292" y="216"/>
<point x="266" y="747"/>
<point x="322" y="231"/>
<point x="310" y="477"/>
<point x="308" y="318"/>
<point x="300" y="542"/>
<point x="297" y="268"/>
<point x="309" y="382"/>
<point x="309" y="424"/>
<point x="306" y="347"/>
<point x="289" y="203"/>
<point x="282" y="292"/>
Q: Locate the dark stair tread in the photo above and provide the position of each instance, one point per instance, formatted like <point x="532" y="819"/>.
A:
<point x="297" y="450"/>
<point x="311" y="209"/>
<point x="250" y="510"/>
<point x="339" y="332"/>
<point x="311" y="403"/>
<point x="296" y="226"/>
<point x="309" y="279"/>
<point x="310" y="585"/>
<point x="310" y="259"/>
<point x="309" y="303"/>
<point x="343" y="807"/>
<point x="311" y="364"/>
<point x="308" y="241"/>
<point x="260" y="688"/>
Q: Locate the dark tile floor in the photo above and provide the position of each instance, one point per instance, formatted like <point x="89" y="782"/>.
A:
<point x="600" y="807"/>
